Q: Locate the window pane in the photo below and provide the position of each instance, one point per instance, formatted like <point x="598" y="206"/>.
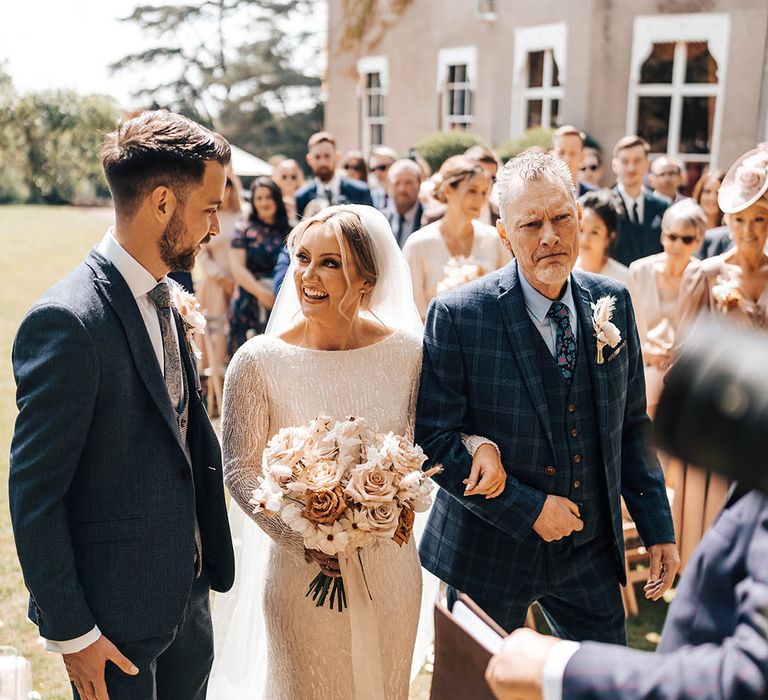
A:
<point x="533" y="115"/>
<point x="555" y="70"/>
<point x="658" y="66"/>
<point x="373" y="80"/>
<point x="653" y="121"/>
<point x="377" y="134"/>
<point x="696" y="127"/>
<point x="461" y="73"/>
<point x="451" y="74"/>
<point x="536" y="69"/>
<point x="554" y="108"/>
<point x="375" y="106"/>
<point x="700" y="66"/>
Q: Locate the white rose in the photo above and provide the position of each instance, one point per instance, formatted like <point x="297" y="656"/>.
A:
<point x="409" y="486"/>
<point x="372" y="485"/>
<point x="383" y="519"/>
<point x="268" y="498"/>
<point x="423" y="501"/>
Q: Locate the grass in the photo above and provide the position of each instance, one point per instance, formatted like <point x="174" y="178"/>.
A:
<point x="39" y="246"/>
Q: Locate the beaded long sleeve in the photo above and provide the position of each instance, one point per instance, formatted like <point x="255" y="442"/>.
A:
<point x="245" y="432"/>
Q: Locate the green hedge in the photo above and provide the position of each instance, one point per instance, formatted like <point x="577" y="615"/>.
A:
<point x="436" y="148"/>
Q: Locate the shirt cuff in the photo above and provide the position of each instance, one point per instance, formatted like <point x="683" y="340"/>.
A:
<point x="554" y="669"/>
<point x="473" y="442"/>
<point x="72" y="646"/>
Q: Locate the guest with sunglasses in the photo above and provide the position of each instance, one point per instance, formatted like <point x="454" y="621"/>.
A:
<point x="591" y="168"/>
<point x="289" y="178"/>
<point x="354" y="167"/>
<point x="655" y="285"/>
<point x="380" y="161"/>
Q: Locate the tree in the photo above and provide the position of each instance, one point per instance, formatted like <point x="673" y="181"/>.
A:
<point x="12" y="185"/>
<point x="238" y="65"/>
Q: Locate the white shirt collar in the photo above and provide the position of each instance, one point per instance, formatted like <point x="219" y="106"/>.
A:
<point x="334" y="185"/>
<point x="538" y="304"/>
<point x="137" y="277"/>
<point x="629" y="202"/>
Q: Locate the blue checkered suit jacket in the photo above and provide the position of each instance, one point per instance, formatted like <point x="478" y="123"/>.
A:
<point x="480" y="377"/>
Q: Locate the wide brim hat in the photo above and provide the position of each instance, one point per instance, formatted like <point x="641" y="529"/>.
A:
<point x="745" y="182"/>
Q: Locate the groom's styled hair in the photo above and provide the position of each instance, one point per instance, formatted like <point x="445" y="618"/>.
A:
<point x="158" y="148"/>
<point x="528" y="167"/>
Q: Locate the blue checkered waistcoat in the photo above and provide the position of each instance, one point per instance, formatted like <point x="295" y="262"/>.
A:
<point x="481" y="376"/>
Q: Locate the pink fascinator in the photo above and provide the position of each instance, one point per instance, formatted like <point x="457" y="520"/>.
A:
<point x="745" y="182"/>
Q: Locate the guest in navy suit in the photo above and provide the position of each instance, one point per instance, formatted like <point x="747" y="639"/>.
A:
<point x="714" y="644"/>
<point x="327" y="188"/>
<point x="406" y="211"/>
<point x="639" y="232"/>
<point x="568" y="146"/>
<point x="515" y="381"/>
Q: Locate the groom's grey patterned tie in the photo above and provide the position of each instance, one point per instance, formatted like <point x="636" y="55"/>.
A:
<point x="161" y="298"/>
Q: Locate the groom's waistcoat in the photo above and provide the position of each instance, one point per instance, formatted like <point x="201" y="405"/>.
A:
<point x="577" y="473"/>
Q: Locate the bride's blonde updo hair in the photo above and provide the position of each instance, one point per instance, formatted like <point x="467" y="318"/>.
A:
<point x="354" y="240"/>
<point x="452" y="173"/>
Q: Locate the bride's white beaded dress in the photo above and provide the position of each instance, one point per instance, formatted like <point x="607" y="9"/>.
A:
<point x="272" y="384"/>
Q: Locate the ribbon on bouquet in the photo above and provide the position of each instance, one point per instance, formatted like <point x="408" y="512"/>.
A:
<point x="364" y="627"/>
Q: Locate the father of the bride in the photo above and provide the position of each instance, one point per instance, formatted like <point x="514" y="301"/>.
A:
<point x="116" y="490"/>
<point x="519" y="376"/>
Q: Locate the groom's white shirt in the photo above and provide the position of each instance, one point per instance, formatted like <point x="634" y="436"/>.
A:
<point x="139" y="281"/>
<point x="537" y="306"/>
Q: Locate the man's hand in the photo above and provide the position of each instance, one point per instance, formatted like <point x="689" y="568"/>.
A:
<point x="517" y="671"/>
<point x="85" y="668"/>
<point x="487" y="477"/>
<point x="665" y="561"/>
<point x="558" y="518"/>
<point x="328" y="564"/>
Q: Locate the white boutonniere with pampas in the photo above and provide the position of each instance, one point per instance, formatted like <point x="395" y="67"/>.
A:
<point x="605" y="331"/>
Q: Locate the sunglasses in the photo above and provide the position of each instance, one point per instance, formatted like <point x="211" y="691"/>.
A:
<point x="588" y="167"/>
<point x="289" y="177"/>
<point x="687" y="240"/>
<point x="359" y="168"/>
<point x="380" y="168"/>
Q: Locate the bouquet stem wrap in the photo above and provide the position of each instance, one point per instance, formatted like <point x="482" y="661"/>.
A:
<point x="366" y="649"/>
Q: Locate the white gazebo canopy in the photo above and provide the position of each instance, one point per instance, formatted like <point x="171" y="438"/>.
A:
<point x="246" y="165"/>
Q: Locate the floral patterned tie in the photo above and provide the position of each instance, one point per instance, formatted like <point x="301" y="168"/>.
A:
<point x="161" y="298"/>
<point x="565" y="342"/>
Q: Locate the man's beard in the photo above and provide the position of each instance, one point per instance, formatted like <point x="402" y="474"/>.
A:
<point x="552" y="274"/>
<point x="172" y="253"/>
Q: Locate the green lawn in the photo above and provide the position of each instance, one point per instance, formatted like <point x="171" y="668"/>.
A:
<point x="39" y="245"/>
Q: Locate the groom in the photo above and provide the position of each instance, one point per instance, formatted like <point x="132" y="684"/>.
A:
<point x="116" y="490"/>
<point x="512" y="382"/>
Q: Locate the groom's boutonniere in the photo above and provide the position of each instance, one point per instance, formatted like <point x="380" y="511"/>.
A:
<point x="605" y="331"/>
<point x="191" y="316"/>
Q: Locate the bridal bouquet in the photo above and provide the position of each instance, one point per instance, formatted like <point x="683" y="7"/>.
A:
<point x="457" y="271"/>
<point x="343" y="488"/>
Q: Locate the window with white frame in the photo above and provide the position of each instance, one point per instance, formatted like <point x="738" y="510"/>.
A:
<point x="374" y="79"/>
<point x="677" y="86"/>
<point x="538" y="86"/>
<point x="455" y="86"/>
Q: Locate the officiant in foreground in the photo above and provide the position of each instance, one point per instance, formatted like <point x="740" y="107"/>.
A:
<point x="536" y="369"/>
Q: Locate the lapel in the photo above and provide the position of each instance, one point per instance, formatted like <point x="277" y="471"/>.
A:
<point x="518" y="327"/>
<point x="190" y="368"/>
<point x="111" y="285"/>
<point x="583" y="299"/>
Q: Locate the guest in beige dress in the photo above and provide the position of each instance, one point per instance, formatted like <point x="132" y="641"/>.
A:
<point x="457" y="237"/>
<point x="216" y="284"/>
<point x="599" y="222"/>
<point x="655" y="288"/>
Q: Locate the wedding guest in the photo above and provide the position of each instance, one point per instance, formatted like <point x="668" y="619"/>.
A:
<point x="655" y="288"/>
<point x="327" y="187"/>
<point x="666" y="177"/>
<point x="488" y="161"/>
<point x="599" y="221"/>
<point x="216" y="284"/>
<point x="591" y="168"/>
<point x="736" y="282"/>
<point x="717" y="237"/>
<point x="405" y="214"/>
<point x="380" y="161"/>
<point x="639" y="232"/>
<point x="568" y="146"/>
<point x="255" y="247"/>
<point x="353" y="164"/>
<point x="289" y="177"/>
<point x="463" y="187"/>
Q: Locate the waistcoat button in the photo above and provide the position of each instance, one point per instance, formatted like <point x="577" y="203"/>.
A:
<point x="550" y="470"/>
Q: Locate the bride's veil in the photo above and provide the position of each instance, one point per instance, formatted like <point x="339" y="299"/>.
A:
<point x="240" y="638"/>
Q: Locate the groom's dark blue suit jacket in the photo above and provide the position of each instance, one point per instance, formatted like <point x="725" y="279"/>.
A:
<point x="480" y="376"/>
<point x="103" y="497"/>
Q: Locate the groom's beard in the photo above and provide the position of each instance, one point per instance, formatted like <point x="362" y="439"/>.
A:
<point x="172" y="252"/>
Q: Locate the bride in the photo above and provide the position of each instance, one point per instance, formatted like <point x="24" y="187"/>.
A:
<point x="344" y="339"/>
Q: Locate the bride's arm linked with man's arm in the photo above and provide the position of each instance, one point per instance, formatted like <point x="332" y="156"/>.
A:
<point x="442" y="427"/>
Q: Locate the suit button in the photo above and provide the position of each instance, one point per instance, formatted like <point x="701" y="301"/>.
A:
<point x="573" y="432"/>
<point x="549" y="471"/>
<point x="577" y="459"/>
<point x="576" y="484"/>
<point x="185" y="474"/>
<point x="571" y="407"/>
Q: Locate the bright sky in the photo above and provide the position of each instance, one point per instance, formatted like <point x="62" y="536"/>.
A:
<point x="58" y="44"/>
